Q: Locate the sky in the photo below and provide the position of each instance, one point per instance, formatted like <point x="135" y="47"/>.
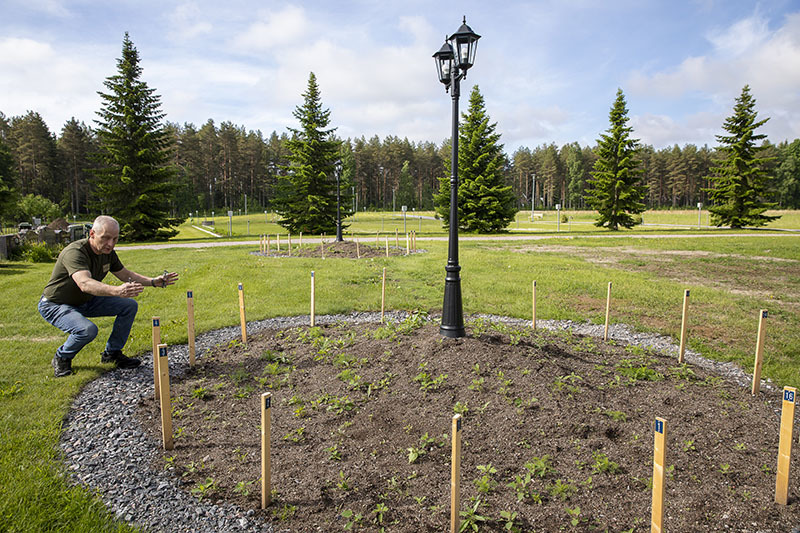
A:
<point x="548" y="70"/>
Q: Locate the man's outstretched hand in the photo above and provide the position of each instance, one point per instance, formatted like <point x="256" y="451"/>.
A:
<point x="130" y="289"/>
<point x="167" y="278"/>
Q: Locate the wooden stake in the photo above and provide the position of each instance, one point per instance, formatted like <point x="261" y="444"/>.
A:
<point x="301" y="239"/>
<point x="278" y="241"/>
<point x="269" y="243"/>
<point x="266" y="463"/>
<point x="533" y="305"/>
<point x="322" y="247"/>
<point x="455" y="477"/>
<point x="762" y="323"/>
<point x="377" y="239"/>
<point x="659" y="461"/>
<point x="785" y="445"/>
<point x="164" y="400"/>
<point x="387" y="246"/>
<point x="608" y="310"/>
<point x="383" y="293"/>
<point x="156" y="342"/>
<point x="313" y="289"/>
<point x="190" y="325"/>
<point x="408" y="244"/>
<point x="290" y="245"/>
<point x="396" y="239"/>
<point x="242" y="314"/>
<point x="358" y="250"/>
<point x="684" y="323"/>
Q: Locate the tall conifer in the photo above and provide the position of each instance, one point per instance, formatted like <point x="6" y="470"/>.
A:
<point x="739" y="181"/>
<point x="307" y="189"/>
<point x="485" y="203"/>
<point x="134" y="179"/>
<point x="614" y="189"/>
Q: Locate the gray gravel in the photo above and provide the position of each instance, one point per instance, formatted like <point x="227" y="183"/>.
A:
<point x="106" y="450"/>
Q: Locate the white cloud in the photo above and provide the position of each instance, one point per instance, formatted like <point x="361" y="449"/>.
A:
<point x="275" y="29"/>
<point x="58" y="84"/>
<point x="187" y="22"/>
<point x="748" y="52"/>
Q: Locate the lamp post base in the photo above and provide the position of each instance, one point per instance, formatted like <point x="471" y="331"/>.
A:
<point x="452" y="311"/>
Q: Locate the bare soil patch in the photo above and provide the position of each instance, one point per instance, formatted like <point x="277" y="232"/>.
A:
<point x="557" y="433"/>
<point x="342" y="250"/>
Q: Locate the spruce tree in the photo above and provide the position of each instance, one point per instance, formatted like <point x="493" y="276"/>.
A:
<point x="485" y="203"/>
<point x="307" y="190"/>
<point x="133" y="182"/>
<point x="739" y="180"/>
<point x="8" y="194"/>
<point x="614" y="189"/>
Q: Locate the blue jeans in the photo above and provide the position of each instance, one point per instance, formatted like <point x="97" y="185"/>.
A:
<point x="72" y="319"/>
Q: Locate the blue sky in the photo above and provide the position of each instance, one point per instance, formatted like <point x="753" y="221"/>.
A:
<point x="549" y="70"/>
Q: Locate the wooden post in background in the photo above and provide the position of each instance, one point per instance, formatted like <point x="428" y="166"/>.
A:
<point x="156" y="342"/>
<point x="301" y="240"/>
<point x="266" y="463"/>
<point x="278" y="241"/>
<point x="164" y="400"/>
<point x="269" y="243"/>
<point x="387" y="246"/>
<point x="455" y="477"/>
<point x="190" y="325"/>
<point x="377" y="239"/>
<point x="242" y="315"/>
<point x="383" y="293"/>
<point x="762" y="324"/>
<point x="408" y="244"/>
<point x="533" y="305"/>
<point x="659" y="461"/>
<point x="785" y="445"/>
<point x="290" y="245"/>
<point x="684" y="323"/>
<point x="396" y="238"/>
<point x="313" y="290"/>
<point x="608" y="310"/>
<point x="358" y="250"/>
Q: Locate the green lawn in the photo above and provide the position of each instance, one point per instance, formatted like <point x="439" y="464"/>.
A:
<point x="367" y="224"/>
<point x="730" y="278"/>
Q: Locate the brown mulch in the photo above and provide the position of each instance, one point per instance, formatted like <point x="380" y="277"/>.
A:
<point x="557" y="432"/>
<point x="363" y="249"/>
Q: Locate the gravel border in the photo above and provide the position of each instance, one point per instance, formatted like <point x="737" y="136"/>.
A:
<point x="106" y="450"/>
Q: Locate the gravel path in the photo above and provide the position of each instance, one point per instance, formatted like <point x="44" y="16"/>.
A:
<point x="106" y="450"/>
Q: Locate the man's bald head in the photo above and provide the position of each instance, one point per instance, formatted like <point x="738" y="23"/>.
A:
<point x="104" y="223"/>
<point x="104" y="234"/>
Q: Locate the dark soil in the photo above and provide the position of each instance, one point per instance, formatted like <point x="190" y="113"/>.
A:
<point x="363" y="249"/>
<point x="557" y="432"/>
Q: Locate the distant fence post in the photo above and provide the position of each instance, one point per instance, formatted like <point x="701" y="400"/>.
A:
<point x="762" y="324"/>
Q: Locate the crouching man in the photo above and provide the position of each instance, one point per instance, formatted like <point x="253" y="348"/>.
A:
<point x="76" y="291"/>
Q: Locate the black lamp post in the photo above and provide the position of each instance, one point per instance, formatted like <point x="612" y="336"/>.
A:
<point x="453" y="60"/>
<point x="338" y="170"/>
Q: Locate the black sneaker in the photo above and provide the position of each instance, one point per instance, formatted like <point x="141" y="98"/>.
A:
<point x="62" y="367"/>
<point x="119" y="359"/>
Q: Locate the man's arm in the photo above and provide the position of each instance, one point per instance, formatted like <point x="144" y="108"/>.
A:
<point x="89" y="285"/>
<point x="168" y="278"/>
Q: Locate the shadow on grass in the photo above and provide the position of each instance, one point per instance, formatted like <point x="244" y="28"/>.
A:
<point x="7" y="269"/>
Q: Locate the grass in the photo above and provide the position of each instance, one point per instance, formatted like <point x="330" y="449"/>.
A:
<point x="34" y="494"/>
<point x="366" y="224"/>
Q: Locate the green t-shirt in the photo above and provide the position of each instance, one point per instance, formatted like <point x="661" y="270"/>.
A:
<point x="77" y="256"/>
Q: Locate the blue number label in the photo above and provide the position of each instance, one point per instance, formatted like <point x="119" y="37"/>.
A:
<point x="764" y="313"/>
<point x="156" y="323"/>
<point x="267" y="402"/>
<point x="240" y="286"/>
<point x="162" y="352"/>
<point x="788" y="396"/>
<point x="659" y="426"/>
<point x="458" y="425"/>
<point x="188" y="294"/>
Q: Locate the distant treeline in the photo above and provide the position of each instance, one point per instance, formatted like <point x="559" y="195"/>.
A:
<point x="219" y="164"/>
